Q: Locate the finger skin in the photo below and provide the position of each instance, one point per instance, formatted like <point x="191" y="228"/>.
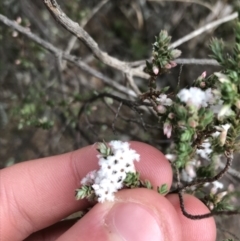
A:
<point x="88" y="228"/>
<point x="39" y="193"/>
<point x="94" y="225"/>
<point x="51" y="233"/>
<point x="194" y="230"/>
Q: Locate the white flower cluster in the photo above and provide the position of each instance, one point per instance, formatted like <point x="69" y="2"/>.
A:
<point x="113" y="170"/>
<point x="196" y="97"/>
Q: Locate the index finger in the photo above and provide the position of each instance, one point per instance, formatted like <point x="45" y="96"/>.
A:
<point x="41" y="192"/>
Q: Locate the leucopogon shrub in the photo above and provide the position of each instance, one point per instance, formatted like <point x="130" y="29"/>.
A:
<point x="203" y="122"/>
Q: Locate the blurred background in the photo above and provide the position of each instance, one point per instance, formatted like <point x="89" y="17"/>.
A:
<point x="48" y="105"/>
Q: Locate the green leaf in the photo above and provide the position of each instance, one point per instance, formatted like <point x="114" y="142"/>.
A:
<point x="104" y="149"/>
<point x="165" y="89"/>
<point x="147" y="184"/>
<point x="83" y="192"/>
<point x="163" y="190"/>
<point x="217" y="47"/>
<point x="132" y="180"/>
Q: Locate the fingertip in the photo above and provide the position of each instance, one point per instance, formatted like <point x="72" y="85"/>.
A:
<point x="198" y="230"/>
<point x="153" y="165"/>
<point x="51" y="233"/>
<point x="137" y="214"/>
<point x="51" y="183"/>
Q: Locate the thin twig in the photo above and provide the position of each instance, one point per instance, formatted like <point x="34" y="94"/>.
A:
<point x="201" y="181"/>
<point x="228" y="232"/>
<point x="59" y="74"/>
<point x="203" y="29"/>
<point x="189" y="37"/>
<point x="206" y="215"/>
<point x="71" y="58"/>
<point x="133" y="105"/>
<point x="191" y="61"/>
<point x="116" y="116"/>
<point x="206" y="5"/>
<point x="231" y="171"/>
<point x="179" y="76"/>
<point x="132" y="84"/>
<point x="83" y="23"/>
<point x="212" y="62"/>
<point x="81" y="34"/>
<point x="136" y="121"/>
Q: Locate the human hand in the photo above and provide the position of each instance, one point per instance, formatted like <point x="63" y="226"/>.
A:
<point x="36" y="195"/>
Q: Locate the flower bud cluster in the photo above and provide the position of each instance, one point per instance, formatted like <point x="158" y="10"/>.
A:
<point x="163" y="56"/>
<point x="202" y="120"/>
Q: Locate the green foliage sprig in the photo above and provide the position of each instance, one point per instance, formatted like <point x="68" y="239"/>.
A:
<point x="202" y="120"/>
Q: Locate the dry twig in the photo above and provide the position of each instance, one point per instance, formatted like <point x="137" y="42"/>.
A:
<point x="58" y="52"/>
<point x="203" y="29"/>
<point x="201" y="181"/>
<point x="84" y="22"/>
<point x="81" y="34"/>
<point x="206" y="5"/>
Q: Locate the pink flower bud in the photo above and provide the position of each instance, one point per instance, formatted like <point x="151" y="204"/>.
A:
<point x="202" y="84"/>
<point x="192" y="123"/>
<point x="161" y="109"/>
<point x="203" y="75"/>
<point x="171" y="115"/>
<point x="167" y="129"/>
<point x="155" y="70"/>
<point x="173" y="64"/>
<point x="211" y="206"/>
<point x="168" y="66"/>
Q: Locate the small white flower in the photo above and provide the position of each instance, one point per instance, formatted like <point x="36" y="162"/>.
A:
<point x="103" y="193"/>
<point x="189" y="173"/>
<point x="187" y="96"/>
<point x="185" y="177"/>
<point x="210" y="98"/>
<point x="226" y="126"/>
<point x="119" y="145"/>
<point x="221" y="195"/>
<point x="205" y="150"/>
<point x="163" y="100"/>
<point x="216" y="134"/>
<point x="216" y="185"/>
<point x="223" y="134"/>
<point x="223" y="130"/>
<point x="224" y="111"/>
<point x="222" y="77"/>
<point x="89" y="179"/>
<point x="171" y="157"/>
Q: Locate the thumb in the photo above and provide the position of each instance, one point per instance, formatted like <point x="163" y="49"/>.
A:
<point x="137" y="214"/>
